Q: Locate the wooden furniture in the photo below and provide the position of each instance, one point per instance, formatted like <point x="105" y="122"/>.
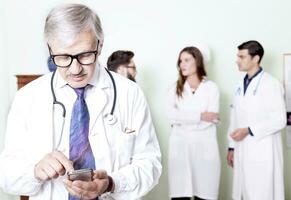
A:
<point x="24" y="198"/>
<point x="22" y="80"/>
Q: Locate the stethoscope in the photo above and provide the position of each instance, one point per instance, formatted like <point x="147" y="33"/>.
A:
<point x="238" y="91"/>
<point x="110" y="118"/>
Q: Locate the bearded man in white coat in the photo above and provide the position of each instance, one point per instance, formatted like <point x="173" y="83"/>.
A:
<point x="106" y="127"/>
<point x="257" y="116"/>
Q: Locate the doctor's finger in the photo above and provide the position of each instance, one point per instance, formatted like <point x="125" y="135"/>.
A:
<point x="230" y="160"/>
<point x="214" y="115"/>
<point x="70" y="185"/>
<point x="74" y="192"/>
<point x="77" y="189"/>
<point x="91" y="188"/>
<point x="56" y="165"/>
<point x="41" y="175"/>
<point x="230" y="163"/>
<point x="100" y="174"/>
<point x="236" y="138"/>
<point x="68" y="165"/>
<point x="50" y="171"/>
<point x="233" y="136"/>
<point x="86" y="185"/>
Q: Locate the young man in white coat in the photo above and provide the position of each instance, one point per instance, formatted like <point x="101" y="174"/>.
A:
<point x="115" y="137"/>
<point x="257" y="117"/>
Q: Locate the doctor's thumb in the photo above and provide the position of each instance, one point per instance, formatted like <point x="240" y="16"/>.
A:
<point x="68" y="166"/>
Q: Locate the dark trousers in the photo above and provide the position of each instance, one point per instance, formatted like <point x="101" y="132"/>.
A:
<point x="186" y="198"/>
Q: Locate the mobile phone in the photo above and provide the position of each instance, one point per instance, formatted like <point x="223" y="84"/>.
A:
<point x="81" y="174"/>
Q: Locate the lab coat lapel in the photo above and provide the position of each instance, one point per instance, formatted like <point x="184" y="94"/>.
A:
<point x="43" y="105"/>
<point x="98" y="98"/>
<point x="253" y="85"/>
<point x="97" y="103"/>
<point x="97" y="135"/>
<point x="239" y="104"/>
<point x="187" y="88"/>
<point x="48" y="118"/>
<point x="248" y="101"/>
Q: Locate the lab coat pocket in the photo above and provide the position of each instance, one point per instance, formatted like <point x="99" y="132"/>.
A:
<point x="125" y="148"/>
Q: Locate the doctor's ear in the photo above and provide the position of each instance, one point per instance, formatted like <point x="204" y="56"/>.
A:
<point x="120" y="70"/>
<point x="100" y="45"/>
<point x="256" y="58"/>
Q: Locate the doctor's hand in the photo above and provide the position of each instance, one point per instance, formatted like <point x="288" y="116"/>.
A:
<point x="239" y="134"/>
<point x="52" y="166"/>
<point x="209" y="116"/>
<point x="90" y="189"/>
<point x="230" y="157"/>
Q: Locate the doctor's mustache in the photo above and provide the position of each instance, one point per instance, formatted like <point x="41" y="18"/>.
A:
<point x="82" y="73"/>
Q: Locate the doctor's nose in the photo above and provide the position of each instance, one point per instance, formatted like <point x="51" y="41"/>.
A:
<point x="75" y="68"/>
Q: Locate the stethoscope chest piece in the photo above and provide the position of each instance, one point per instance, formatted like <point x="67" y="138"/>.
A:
<point x="110" y="119"/>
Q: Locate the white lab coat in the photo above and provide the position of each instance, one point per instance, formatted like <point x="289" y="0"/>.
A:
<point x="194" y="161"/>
<point x="258" y="159"/>
<point x="132" y="159"/>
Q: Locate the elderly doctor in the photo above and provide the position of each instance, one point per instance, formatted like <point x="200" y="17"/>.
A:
<point x="257" y="117"/>
<point x="41" y="147"/>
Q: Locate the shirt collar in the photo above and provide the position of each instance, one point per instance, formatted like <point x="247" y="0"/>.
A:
<point x="249" y="79"/>
<point x="99" y="79"/>
<point x="187" y="87"/>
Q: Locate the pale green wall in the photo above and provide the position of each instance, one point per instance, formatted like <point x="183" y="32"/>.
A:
<point x="156" y="31"/>
<point x="3" y="88"/>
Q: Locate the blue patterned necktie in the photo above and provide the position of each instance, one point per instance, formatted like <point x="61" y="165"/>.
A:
<point x="80" y="149"/>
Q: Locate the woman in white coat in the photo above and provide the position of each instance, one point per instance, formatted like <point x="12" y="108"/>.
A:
<point x="192" y="109"/>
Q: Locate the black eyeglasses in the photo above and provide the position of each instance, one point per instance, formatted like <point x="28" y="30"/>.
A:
<point x="65" y="60"/>
<point x="131" y="67"/>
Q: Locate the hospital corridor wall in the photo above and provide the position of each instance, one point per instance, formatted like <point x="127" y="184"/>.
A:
<point x="156" y="31"/>
<point x="4" y="93"/>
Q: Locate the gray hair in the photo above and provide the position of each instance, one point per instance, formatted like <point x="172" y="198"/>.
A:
<point x="66" y="21"/>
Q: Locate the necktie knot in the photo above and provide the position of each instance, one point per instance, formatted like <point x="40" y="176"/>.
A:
<point x="80" y="92"/>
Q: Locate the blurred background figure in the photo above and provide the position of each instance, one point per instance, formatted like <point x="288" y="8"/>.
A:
<point x="122" y="63"/>
<point x="193" y="112"/>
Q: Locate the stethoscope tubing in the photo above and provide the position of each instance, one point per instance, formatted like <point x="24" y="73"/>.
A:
<point x="238" y="92"/>
<point x="55" y="101"/>
<point x="111" y="119"/>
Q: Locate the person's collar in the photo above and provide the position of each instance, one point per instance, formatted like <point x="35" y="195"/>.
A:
<point x="59" y="81"/>
<point x="95" y="78"/>
<point x="99" y="78"/>
<point x="250" y="78"/>
<point x="188" y="87"/>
